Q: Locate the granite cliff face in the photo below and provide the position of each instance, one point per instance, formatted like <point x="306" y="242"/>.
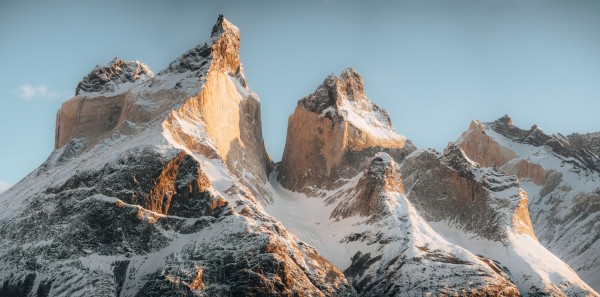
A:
<point x="562" y="179"/>
<point x="160" y="185"/>
<point x="333" y="132"/>
<point x="226" y="108"/>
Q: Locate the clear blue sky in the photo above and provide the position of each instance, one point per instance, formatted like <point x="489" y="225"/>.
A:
<point x="433" y="65"/>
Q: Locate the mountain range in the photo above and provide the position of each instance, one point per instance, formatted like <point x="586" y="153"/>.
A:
<point x="161" y="185"/>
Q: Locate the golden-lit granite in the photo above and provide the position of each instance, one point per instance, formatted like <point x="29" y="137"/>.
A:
<point x="333" y="132"/>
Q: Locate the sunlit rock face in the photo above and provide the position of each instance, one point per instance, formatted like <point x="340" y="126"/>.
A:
<point x="154" y="190"/>
<point x="333" y="132"/>
<point x="562" y="179"/>
<point x="100" y="105"/>
<point x="226" y="108"/>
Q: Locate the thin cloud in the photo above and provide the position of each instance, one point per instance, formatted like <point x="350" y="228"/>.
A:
<point x="4" y="186"/>
<point x="29" y="92"/>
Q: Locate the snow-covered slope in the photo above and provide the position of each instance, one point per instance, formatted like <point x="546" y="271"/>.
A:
<point x="485" y="211"/>
<point x="369" y="229"/>
<point x="562" y="178"/>
<point x="158" y="198"/>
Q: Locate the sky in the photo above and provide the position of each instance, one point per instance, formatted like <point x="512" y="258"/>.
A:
<point x="434" y="65"/>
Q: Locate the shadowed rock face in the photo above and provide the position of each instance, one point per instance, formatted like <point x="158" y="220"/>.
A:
<point x="333" y="133"/>
<point x="445" y="188"/>
<point x="381" y="176"/>
<point x="139" y="206"/>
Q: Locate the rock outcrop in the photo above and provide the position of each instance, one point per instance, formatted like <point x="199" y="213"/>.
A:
<point x="101" y="104"/>
<point x="333" y="132"/>
<point x="562" y="179"/>
<point x="107" y="79"/>
<point x="588" y="141"/>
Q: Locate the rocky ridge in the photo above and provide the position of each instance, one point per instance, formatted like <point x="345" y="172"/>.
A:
<point x="588" y="141"/>
<point x="561" y="177"/>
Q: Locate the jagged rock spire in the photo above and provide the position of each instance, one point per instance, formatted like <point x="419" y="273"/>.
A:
<point x="221" y="51"/>
<point x="221" y="26"/>
<point x="333" y="90"/>
<point x="505" y="119"/>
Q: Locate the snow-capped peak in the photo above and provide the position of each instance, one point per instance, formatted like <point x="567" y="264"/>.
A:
<point x="343" y="99"/>
<point x="456" y="159"/>
<point x="334" y="90"/>
<point x="223" y="25"/>
<point x="505" y="119"/>
<point x="107" y="79"/>
<point x="220" y="51"/>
